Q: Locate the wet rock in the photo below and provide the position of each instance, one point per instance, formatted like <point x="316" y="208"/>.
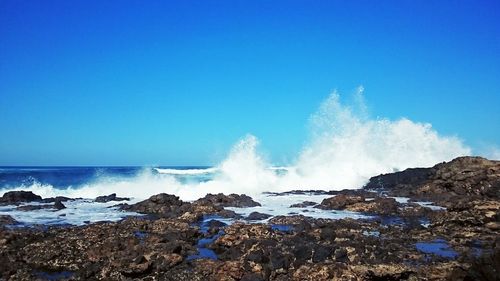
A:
<point x="471" y="176"/>
<point x="231" y="200"/>
<point x="58" y="198"/>
<point x="59" y="205"/>
<point x="164" y="205"/>
<point x="111" y="197"/>
<point x="15" y="197"/>
<point x="27" y="208"/>
<point x="303" y="204"/>
<point x="381" y="206"/>
<point x="339" y="202"/>
<point x="256" y="216"/>
<point x="7" y="220"/>
<point x="301" y="192"/>
<point x="340" y="255"/>
<point x="321" y="253"/>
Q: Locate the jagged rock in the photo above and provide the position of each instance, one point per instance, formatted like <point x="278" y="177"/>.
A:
<point x="463" y="176"/>
<point x="15" y="197"/>
<point x="111" y="197"/>
<point x="380" y="206"/>
<point x="58" y="198"/>
<point x="164" y="205"/>
<point x="339" y="202"/>
<point x="303" y="204"/>
<point x="231" y="200"/>
<point x="6" y="219"/>
<point x="59" y="205"/>
<point x="256" y="216"/>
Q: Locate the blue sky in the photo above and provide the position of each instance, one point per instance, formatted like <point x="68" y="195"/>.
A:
<point x="178" y="82"/>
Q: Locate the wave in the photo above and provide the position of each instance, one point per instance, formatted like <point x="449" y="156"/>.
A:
<point x="346" y="148"/>
<point x="186" y="171"/>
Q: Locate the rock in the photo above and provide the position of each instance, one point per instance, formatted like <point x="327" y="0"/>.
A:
<point x="339" y="202"/>
<point x="57" y="198"/>
<point x="303" y="204"/>
<point x="7" y="220"/>
<point x="340" y="255"/>
<point x="111" y="197"/>
<point x="59" y="205"/>
<point x="493" y="225"/>
<point x="15" y="197"/>
<point x="380" y="206"/>
<point x="463" y="176"/>
<point x="231" y="200"/>
<point x="256" y="216"/>
<point x="164" y="205"/>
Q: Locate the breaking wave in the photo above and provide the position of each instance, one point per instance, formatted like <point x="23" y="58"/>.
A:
<point x="345" y="149"/>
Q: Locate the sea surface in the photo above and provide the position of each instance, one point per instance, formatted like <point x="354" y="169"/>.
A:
<point x="86" y="183"/>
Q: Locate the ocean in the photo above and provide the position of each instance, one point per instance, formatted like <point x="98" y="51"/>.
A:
<point x="138" y="183"/>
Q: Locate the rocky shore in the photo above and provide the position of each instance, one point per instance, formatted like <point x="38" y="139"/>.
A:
<point x="447" y="227"/>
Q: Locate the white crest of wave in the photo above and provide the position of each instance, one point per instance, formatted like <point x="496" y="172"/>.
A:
<point x="186" y="171"/>
<point x="345" y="150"/>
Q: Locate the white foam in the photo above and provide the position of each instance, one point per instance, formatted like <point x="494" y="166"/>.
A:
<point x="78" y="212"/>
<point x="280" y="206"/>
<point x="186" y="171"/>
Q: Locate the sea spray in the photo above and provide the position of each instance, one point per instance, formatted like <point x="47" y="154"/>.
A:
<point x="345" y="149"/>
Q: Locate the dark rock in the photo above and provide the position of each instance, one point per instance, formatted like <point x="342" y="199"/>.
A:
<point x="57" y="198"/>
<point x="340" y="255"/>
<point x="59" y="205"/>
<point x="111" y="197"/>
<point x="321" y="253"/>
<point x="231" y="200"/>
<point x="381" y="206"/>
<point x="164" y="205"/>
<point x="339" y="202"/>
<point x="7" y="220"/>
<point x="471" y="176"/>
<point x="14" y="197"/>
<point x="251" y="277"/>
<point x="28" y="208"/>
<point x="327" y="233"/>
<point x="256" y="216"/>
<point x="303" y="204"/>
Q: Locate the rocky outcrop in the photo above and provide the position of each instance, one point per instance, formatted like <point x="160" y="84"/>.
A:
<point x="464" y="176"/>
<point x="7" y="220"/>
<point x="16" y="197"/>
<point x="231" y="200"/>
<point x="339" y="202"/>
<point x="111" y="197"/>
<point x="163" y="205"/>
<point x="256" y="216"/>
<point x="303" y="204"/>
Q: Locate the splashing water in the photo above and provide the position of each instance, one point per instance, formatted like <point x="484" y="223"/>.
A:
<point x="346" y="148"/>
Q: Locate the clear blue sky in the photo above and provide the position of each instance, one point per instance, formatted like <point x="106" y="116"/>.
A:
<point x="177" y="82"/>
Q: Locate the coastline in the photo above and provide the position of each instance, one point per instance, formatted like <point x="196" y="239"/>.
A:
<point x="401" y="236"/>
